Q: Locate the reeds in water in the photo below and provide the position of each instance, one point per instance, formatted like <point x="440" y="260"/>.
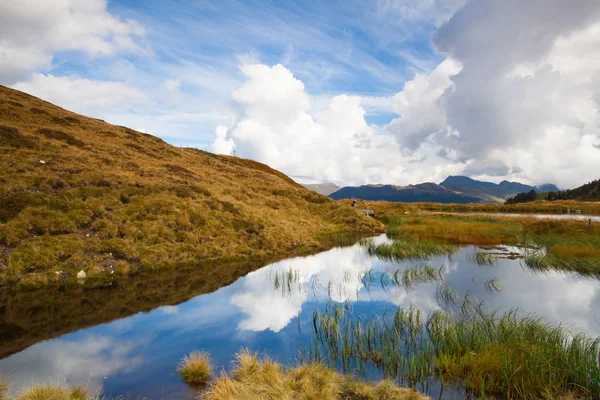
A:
<point x="407" y="249"/>
<point x="512" y="355"/>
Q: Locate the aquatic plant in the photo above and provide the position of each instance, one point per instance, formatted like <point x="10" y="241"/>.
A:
<point x="195" y="368"/>
<point x="517" y="356"/>
<point x="407" y="249"/>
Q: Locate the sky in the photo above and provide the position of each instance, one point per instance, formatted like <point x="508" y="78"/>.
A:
<point x="350" y="91"/>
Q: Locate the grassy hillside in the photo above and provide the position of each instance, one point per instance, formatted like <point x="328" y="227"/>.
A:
<point x="77" y="194"/>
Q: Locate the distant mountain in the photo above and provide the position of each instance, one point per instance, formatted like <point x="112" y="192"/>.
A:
<point x="424" y="192"/>
<point x="454" y="189"/>
<point x="546" y="187"/>
<point x="323" y="188"/>
<point x="489" y="191"/>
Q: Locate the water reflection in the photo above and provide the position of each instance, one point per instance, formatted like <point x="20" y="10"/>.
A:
<point x="138" y="354"/>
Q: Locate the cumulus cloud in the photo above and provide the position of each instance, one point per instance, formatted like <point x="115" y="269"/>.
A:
<point x="517" y="97"/>
<point x="525" y="92"/>
<point x="32" y="31"/>
<point x="279" y="124"/>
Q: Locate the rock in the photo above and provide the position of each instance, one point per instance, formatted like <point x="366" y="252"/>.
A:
<point x="42" y="162"/>
<point x="81" y="274"/>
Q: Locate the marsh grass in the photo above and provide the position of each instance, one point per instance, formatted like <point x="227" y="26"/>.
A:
<point x="253" y="377"/>
<point x="407" y="249"/>
<point x="511" y="355"/>
<point x="552" y="244"/>
<point x="195" y="369"/>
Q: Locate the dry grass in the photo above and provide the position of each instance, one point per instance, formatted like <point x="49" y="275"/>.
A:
<point x="253" y="378"/>
<point x="3" y="388"/>
<point x="54" y="392"/>
<point x="385" y="209"/>
<point x="77" y="193"/>
<point x="195" y="369"/>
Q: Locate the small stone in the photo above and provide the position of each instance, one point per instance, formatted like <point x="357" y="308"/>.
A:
<point x="42" y="162"/>
<point x="81" y="274"/>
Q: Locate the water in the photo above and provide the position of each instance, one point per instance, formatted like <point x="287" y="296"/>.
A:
<point x="574" y="216"/>
<point x="268" y="312"/>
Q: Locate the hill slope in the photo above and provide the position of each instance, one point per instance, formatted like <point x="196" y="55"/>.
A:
<point x="424" y="192"/>
<point x="588" y="192"/>
<point x="78" y="193"/>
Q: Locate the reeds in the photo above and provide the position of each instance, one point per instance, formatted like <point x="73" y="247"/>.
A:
<point x="407" y="249"/>
<point x="517" y="356"/>
<point x="195" y="369"/>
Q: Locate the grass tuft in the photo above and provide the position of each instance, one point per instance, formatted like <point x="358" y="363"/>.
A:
<point x="261" y="378"/>
<point x="195" y="369"/>
<point x="55" y="392"/>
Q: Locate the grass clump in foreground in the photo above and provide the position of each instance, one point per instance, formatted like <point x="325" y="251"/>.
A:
<point x="256" y="378"/>
<point x="511" y="356"/>
<point x="55" y="392"/>
<point x="3" y="388"/>
<point x="195" y="369"/>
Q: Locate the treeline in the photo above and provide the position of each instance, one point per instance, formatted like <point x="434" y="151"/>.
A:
<point x="522" y="197"/>
<point x="589" y="191"/>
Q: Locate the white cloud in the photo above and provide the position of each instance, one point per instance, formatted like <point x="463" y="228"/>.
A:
<point x="82" y="95"/>
<point x="85" y="362"/>
<point x="333" y="142"/>
<point x="32" y="31"/>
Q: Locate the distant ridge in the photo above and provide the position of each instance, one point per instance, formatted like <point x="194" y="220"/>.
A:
<point x="424" y="192"/>
<point x="454" y="189"/>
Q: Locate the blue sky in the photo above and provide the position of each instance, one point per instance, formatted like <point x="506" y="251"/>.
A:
<point x="381" y="91"/>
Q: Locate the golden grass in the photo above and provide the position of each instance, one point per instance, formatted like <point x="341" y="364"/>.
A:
<point x="78" y="193"/>
<point x="195" y="369"/>
<point x="54" y="392"/>
<point x="3" y="388"/>
<point x="253" y="378"/>
<point x="385" y="209"/>
<point x="568" y="244"/>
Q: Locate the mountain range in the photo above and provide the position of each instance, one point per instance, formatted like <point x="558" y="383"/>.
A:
<point x="454" y="189"/>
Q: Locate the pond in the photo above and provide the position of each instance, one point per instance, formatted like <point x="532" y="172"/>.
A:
<point x="270" y="310"/>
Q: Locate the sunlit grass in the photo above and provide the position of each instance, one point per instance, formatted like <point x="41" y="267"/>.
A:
<point x="254" y="377"/>
<point x="78" y="193"/>
<point x="195" y="369"/>
<point x="3" y="388"/>
<point x="55" y="392"/>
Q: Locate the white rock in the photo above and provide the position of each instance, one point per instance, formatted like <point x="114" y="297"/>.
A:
<point x="42" y="162"/>
<point x="81" y="274"/>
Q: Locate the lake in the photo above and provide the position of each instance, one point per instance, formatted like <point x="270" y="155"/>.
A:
<point x="270" y="310"/>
